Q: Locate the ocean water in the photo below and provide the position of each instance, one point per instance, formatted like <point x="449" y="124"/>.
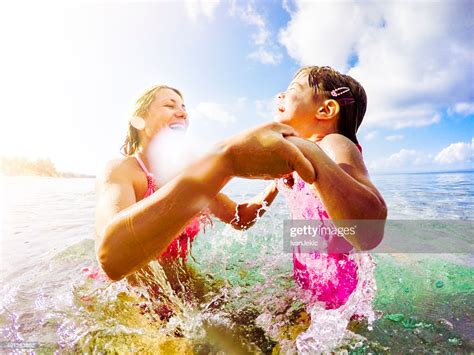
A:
<point x="236" y="294"/>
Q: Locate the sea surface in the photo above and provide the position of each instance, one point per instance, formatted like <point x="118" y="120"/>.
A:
<point x="50" y="299"/>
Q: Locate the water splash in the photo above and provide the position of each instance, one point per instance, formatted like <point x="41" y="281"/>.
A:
<point x="249" y="296"/>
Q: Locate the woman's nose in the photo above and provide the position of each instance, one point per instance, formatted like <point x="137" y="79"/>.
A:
<point x="281" y="95"/>
<point x="182" y="114"/>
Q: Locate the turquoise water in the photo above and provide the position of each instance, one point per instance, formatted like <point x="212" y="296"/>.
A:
<point x="240" y="297"/>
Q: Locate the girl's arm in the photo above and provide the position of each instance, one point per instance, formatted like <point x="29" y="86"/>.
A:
<point x="244" y="215"/>
<point x="343" y="185"/>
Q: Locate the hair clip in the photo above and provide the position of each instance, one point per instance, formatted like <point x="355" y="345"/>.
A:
<point x="340" y="91"/>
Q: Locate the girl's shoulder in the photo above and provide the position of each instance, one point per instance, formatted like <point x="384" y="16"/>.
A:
<point x="337" y="143"/>
<point x="335" y="138"/>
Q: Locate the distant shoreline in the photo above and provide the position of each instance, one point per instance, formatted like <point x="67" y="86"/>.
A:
<point x="67" y="175"/>
<point x="20" y="166"/>
<point x="462" y="171"/>
<point x="59" y="176"/>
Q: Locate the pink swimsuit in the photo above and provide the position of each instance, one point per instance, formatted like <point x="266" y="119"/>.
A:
<point x="331" y="277"/>
<point x="179" y="247"/>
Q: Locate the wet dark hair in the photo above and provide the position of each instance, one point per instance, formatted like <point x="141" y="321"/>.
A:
<point x="353" y="102"/>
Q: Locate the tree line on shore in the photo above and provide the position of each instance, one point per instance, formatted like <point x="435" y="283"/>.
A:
<point x="20" y="166"/>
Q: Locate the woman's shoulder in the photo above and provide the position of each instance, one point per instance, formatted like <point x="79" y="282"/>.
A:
<point x="120" y="169"/>
<point x="121" y="172"/>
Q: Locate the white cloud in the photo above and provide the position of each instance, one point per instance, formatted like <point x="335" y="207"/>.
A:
<point x="250" y="16"/>
<point x="195" y="8"/>
<point x="286" y="6"/>
<point x="370" y="135"/>
<point x="241" y="101"/>
<point x="410" y="159"/>
<point x="400" y="117"/>
<point x="314" y="37"/>
<point x="400" y="65"/>
<point x="460" y="152"/>
<point x="463" y="108"/>
<point x="405" y="159"/>
<point x="211" y="111"/>
<point x="266" y="57"/>
<point x="266" y="52"/>
<point x="266" y="108"/>
<point x="395" y="137"/>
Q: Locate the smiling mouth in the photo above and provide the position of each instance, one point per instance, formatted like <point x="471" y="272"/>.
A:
<point x="179" y="126"/>
<point x="281" y="109"/>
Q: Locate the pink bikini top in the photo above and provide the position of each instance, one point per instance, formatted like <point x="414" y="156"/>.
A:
<point x="180" y="246"/>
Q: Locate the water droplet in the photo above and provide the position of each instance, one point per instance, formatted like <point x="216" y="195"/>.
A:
<point x="439" y="284"/>
<point x="397" y="317"/>
<point x="445" y="322"/>
<point x="454" y="341"/>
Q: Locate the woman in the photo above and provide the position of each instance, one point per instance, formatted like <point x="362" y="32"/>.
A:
<point x="132" y="230"/>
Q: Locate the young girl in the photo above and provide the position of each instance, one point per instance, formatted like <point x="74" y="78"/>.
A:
<point x="327" y="108"/>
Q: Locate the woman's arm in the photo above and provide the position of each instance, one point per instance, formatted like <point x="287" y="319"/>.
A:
<point x="243" y="215"/>
<point x="343" y="184"/>
<point x="132" y="233"/>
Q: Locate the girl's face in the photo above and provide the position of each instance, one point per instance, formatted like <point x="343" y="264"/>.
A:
<point x="166" y="110"/>
<point x="297" y="107"/>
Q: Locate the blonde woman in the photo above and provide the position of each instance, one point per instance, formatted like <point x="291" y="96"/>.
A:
<point x="137" y="221"/>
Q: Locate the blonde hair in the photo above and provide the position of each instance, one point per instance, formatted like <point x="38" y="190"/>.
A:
<point x="132" y="140"/>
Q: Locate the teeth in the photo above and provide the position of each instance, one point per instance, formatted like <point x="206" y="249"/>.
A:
<point x="177" y="126"/>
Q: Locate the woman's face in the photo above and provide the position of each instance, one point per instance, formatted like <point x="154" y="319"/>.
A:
<point x="166" y="110"/>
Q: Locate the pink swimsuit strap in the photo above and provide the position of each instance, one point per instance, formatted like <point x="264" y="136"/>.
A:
<point x="149" y="176"/>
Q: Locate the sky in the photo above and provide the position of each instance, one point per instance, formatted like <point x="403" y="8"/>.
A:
<point x="71" y="70"/>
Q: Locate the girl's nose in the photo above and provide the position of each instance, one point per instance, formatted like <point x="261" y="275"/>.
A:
<point x="281" y="95"/>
